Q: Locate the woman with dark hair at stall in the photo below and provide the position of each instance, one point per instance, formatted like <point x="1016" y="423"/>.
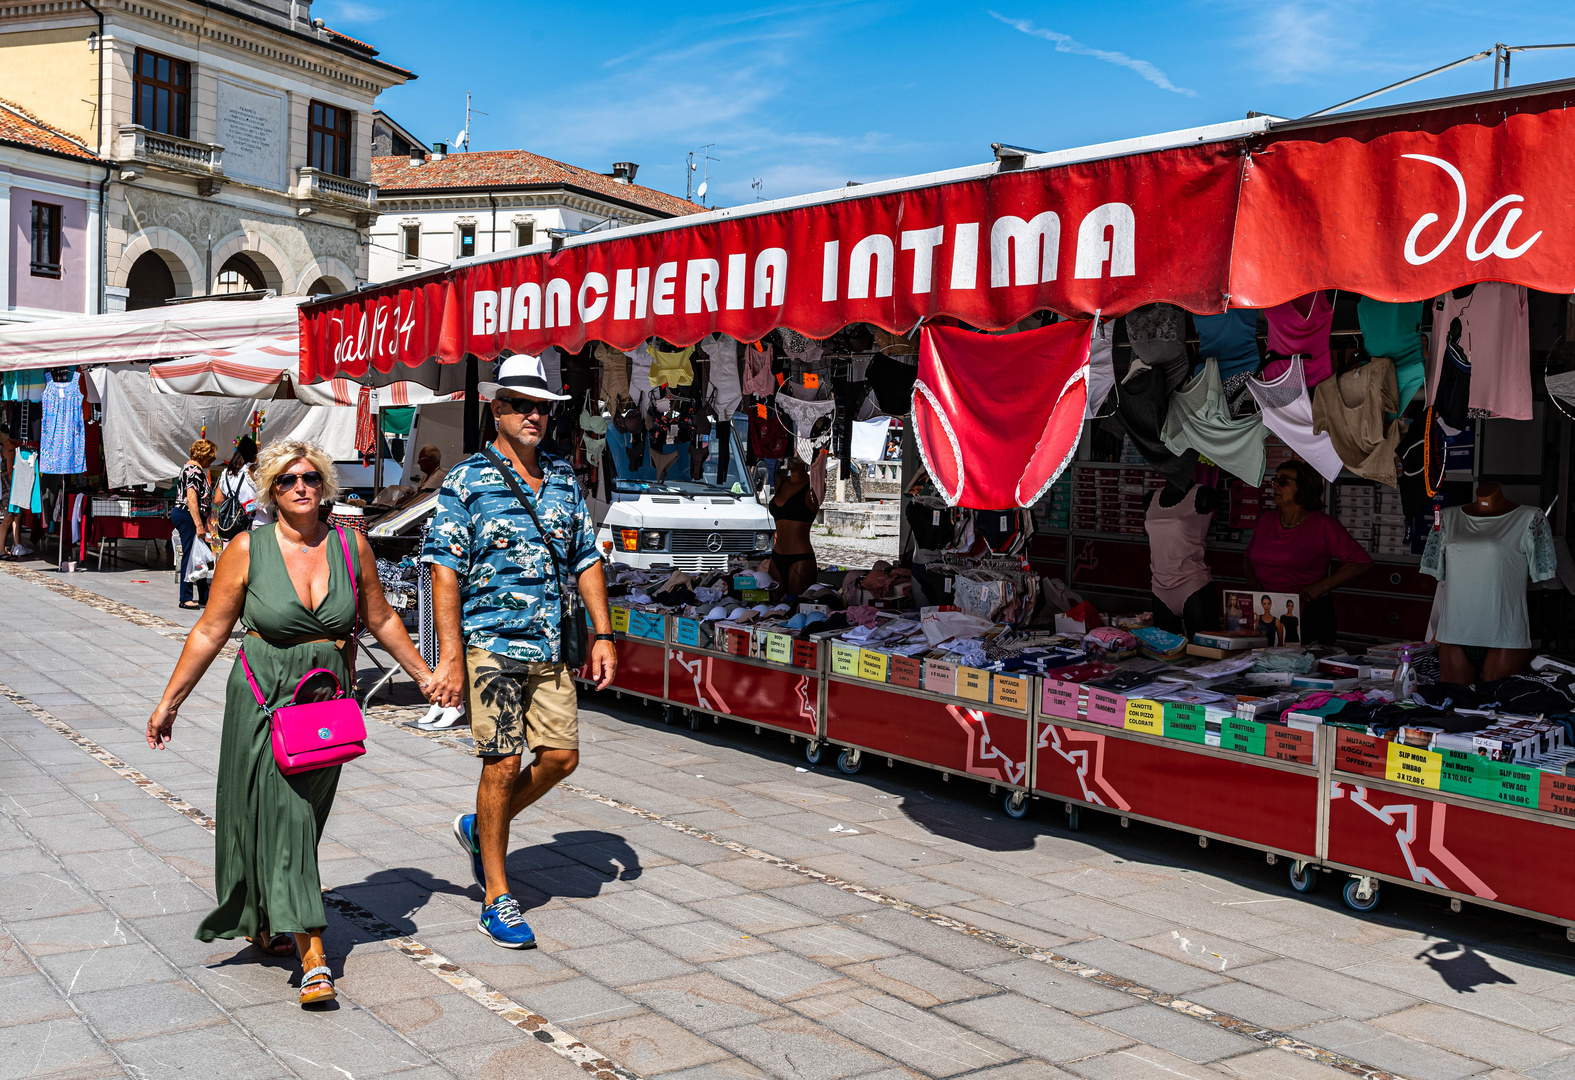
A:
<point x="1293" y="546"/>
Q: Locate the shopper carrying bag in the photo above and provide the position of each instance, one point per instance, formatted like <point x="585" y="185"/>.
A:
<point x="301" y="589"/>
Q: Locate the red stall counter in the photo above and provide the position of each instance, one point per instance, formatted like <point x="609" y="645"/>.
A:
<point x="1496" y="855"/>
<point x="952" y="735"/>
<point x="761" y="692"/>
<point x="1256" y="801"/>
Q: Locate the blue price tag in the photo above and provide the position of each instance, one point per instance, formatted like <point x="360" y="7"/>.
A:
<point x="686" y="632"/>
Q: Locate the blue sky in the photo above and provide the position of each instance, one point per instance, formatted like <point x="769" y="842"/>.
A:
<point x="807" y="96"/>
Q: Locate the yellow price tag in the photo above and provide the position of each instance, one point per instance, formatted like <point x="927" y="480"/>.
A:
<point x="1414" y="766"/>
<point x="1145" y="716"/>
<point x="779" y="648"/>
<point x="973" y="684"/>
<point x="620" y="620"/>
<point x="844" y="659"/>
<point x="872" y="665"/>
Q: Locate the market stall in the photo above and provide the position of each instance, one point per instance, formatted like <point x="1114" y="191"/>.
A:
<point x="1126" y="375"/>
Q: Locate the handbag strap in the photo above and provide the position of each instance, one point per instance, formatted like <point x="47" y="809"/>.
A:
<point x="552" y="552"/>
<point x="355" y="596"/>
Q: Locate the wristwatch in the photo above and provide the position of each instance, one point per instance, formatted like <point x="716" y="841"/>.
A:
<point x="606" y="637"/>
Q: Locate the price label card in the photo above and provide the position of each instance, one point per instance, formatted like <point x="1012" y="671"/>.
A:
<point x="844" y="659"/>
<point x="1284" y="743"/>
<point x="811" y="381"/>
<point x="646" y="625"/>
<point x="686" y="632"/>
<point x="907" y="671"/>
<point x="805" y="653"/>
<point x="1243" y="736"/>
<point x="1145" y="716"/>
<point x="779" y="648"/>
<point x="1061" y="699"/>
<point x="1184" y="721"/>
<point x="1519" y="785"/>
<point x="973" y="684"/>
<point x="1557" y="795"/>
<point x="760" y="411"/>
<point x="940" y="677"/>
<point x="1009" y="692"/>
<point x="620" y="620"/>
<point x="1105" y="707"/>
<point x="873" y="665"/>
<point x="1466" y="773"/>
<point x="1414" y="766"/>
<point x="1355" y="752"/>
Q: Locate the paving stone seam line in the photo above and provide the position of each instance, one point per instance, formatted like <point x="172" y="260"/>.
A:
<point x="1225" y="1021"/>
<point x="545" y="1031"/>
<point x="461" y="980"/>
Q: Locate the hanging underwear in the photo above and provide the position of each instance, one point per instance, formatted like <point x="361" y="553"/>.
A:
<point x="997" y="528"/>
<point x="892" y="382"/>
<point x="768" y="439"/>
<point x="1157" y="333"/>
<point x="998" y="417"/>
<point x="1302" y="326"/>
<point x="931" y="527"/>
<point x="663" y="462"/>
<point x="1101" y="367"/>
<point x="672" y="368"/>
<point x="726" y="393"/>
<point x="807" y="419"/>
<point x="676" y="424"/>
<point x="593" y="423"/>
<point x="798" y="349"/>
<point x="1287" y="411"/>
<point x="758" y="379"/>
<point x="1141" y="405"/>
<point x="593" y="449"/>
<point x="1231" y="338"/>
<point x="1197" y="418"/>
<point x="615" y="375"/>
<point x="1452" y="399"/>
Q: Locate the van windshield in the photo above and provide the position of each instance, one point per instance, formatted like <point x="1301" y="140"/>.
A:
<point x="637" y="470"/>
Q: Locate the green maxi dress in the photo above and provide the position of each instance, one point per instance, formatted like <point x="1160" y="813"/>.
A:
<point x="268" y="823"/>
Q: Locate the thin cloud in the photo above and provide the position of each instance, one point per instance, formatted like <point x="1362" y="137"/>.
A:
<point x="1067" y="44"/>
<point x="350" y="11"/>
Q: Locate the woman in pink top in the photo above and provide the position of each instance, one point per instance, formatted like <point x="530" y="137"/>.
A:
<point x="1293" y="545"/>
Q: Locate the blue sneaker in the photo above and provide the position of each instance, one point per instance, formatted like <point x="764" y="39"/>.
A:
<point x="502" y="922"/>
<point x="465" y="833"/>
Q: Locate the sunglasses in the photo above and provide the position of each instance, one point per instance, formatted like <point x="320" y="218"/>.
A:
<point x="524" y="406"/>
<point x="1284" y="481"/>
<point x="286" y="481"/>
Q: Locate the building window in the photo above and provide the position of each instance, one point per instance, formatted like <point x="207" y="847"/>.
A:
<point x="467" y="241"/>
<point x="525" y="234"/>
<point x="162" y="92"/>
<point x="46" y="240"/>
<point x="412" y="235"/>
<point x="328" y="148"/>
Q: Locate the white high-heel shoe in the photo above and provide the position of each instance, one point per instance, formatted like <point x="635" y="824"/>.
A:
<point x="438" y="718"/>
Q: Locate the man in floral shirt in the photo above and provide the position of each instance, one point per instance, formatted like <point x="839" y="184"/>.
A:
<point x="497" y="603"/>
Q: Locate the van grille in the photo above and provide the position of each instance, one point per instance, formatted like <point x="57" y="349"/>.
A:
<point x="700" y="542"/>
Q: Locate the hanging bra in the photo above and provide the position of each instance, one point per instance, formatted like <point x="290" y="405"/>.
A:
<point x="672" y="368"/>
<point x="967" y="382"/>
<point x="758" y="379"/>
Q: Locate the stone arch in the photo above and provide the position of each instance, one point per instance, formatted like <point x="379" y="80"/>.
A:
<point x="338" y="276"/>
<point x="185" y="265"/>
<point x="263" y="252"/>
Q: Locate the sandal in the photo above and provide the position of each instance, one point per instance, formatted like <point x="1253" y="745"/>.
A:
<point x="317" y="982"/>
<point x="274" y="944"/>
<point x="191" y="605"/>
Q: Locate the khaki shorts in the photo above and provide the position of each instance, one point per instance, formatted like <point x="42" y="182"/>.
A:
<point x="515" y="705"/>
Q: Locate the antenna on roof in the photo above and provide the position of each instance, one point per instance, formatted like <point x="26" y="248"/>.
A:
<point x="755" y="185"/>
<point x="689" y="174"/>
<point x="462" y="140"/>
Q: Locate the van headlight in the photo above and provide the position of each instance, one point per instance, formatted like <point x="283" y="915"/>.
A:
<point x="764" y="540"/>
<point x="653" y="539"/>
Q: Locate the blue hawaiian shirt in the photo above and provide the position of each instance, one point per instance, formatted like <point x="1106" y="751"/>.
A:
<point x="510" y="598"/>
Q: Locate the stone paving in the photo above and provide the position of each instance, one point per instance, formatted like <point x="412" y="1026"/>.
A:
<point x="754" y="918"/>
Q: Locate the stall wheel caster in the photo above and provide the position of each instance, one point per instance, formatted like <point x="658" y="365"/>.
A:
<point x="812" y="753"/>
<point x="667" y="714"/>
<point x="1354" y="894"/>
<point x="1016" y="805"/>
<point x="1074" y="817"/>
<point x="1304" y="876"/>
<point x="850" y="762"/>
<point x="694" y="721"/>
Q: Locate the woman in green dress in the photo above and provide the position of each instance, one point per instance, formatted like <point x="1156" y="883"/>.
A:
<point x="290" y="586"/>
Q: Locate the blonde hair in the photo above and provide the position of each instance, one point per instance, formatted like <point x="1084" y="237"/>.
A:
<point x="203" y="449"/>
<point x="276" y="457"/>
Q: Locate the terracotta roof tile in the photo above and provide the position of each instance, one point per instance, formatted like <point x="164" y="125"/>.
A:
<point x="21" y="127"/>
<point x="515" y="168"/>
<point x="348" y="40"/>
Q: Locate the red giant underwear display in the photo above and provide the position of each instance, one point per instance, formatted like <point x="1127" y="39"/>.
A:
<point x="998" y="417"/>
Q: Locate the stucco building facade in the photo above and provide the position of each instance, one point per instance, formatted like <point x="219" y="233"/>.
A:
<point x="235" y="138"/>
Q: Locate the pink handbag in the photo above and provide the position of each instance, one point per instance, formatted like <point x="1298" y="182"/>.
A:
<point x="316" y="734"/>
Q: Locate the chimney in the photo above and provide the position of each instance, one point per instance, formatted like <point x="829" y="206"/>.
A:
<point x="623" y="171"/>
<point x="417" y="156"/>
<point x="439" y="151"/>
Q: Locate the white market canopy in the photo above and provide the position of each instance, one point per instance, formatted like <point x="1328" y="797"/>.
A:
<point x="149" y="335"/>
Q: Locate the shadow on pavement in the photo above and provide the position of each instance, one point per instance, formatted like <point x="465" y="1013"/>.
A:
<point x="1463" y="969"/>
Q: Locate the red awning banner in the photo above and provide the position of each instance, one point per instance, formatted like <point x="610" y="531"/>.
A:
<point x="1405" y="207"/>
<point x="1104" y="235"/>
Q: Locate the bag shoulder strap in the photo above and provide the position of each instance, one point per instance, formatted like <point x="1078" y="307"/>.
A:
<point x="355" y="602"/>
<point x="519" y="493"/>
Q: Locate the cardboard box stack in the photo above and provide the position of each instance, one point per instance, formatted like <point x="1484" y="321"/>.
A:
<point x="1356" y="507"/>
<point x="1110" y="500"/>
<point x="1389" y="524"/>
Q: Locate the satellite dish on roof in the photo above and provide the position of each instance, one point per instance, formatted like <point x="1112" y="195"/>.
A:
<point x="461" y="139"/>
<point x="700" y="191"/>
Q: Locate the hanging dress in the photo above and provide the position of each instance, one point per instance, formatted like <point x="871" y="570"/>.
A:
<point x="269" y="824"/>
